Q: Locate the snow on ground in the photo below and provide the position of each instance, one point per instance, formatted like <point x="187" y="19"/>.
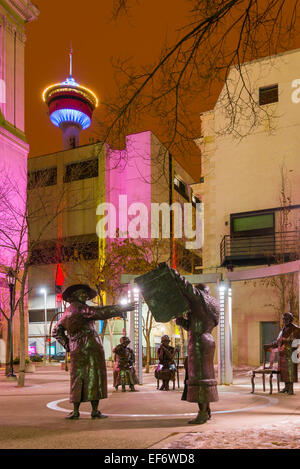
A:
<point x="283" y="435"/>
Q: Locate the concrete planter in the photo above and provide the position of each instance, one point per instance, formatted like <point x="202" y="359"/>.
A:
<point x="29" y="368"/>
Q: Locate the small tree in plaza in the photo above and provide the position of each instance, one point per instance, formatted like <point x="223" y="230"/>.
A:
<point x="191" y="68"/>
<point x="285" y="286"/>
<point x="29" y="221"/>
<point x="127" y="255"/>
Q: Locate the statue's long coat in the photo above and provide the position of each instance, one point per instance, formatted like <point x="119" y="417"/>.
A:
<point x="288" y="369"/>
<point x="201" y="385"/>
<point x="76" y="332"/>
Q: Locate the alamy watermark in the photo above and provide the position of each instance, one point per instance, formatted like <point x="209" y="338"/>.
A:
<point x="2" y="92"/>
<point x="296" y="352"/>
<point x="135" y="221"/>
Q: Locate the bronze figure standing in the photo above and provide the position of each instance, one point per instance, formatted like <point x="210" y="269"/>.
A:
<point x="287" y="367"/>
<point x="200" y="382"/>
<point x="76" y="332"/>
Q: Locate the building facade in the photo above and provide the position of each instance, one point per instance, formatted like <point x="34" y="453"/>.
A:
<point x="14" y="14"/>
<point x="250" y="190"/>
<point x="103" y="189"/>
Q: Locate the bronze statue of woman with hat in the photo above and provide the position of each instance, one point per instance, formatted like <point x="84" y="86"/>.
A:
<point x="76" y="332"/>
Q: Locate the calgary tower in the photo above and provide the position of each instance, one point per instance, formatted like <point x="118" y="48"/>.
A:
<point x="70" y="107"/>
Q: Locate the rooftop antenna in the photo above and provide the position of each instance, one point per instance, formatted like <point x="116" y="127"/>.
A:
<point x="71" y="57"/>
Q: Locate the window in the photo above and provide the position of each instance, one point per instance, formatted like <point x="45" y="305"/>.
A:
<point x="252" y="224"/>
<point x="181" y="187"/>
<point x="50" y="252"/>
<point x="42" y="178"/>
<point x="268" y="94"/>
<point x="38" y="315"/>
<point x="195" y="200"/>
<point x="81" y="170"/>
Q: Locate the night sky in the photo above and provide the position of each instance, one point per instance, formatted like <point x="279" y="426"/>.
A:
<point x="96" y="38"/>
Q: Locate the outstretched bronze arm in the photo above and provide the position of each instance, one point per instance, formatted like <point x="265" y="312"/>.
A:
<point x="96" y="313"/>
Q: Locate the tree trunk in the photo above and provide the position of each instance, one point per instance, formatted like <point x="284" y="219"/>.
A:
<point x="7" y="358"/>
<point x="103" y="329"/>
<point x="147" y="369"/>
<point x="182" y="343"/>
<point x="21" y="377"/>
<point x="111" y="330"/>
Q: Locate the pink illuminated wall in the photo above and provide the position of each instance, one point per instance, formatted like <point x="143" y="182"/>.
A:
<point x="13" y="182"/>
<point x="128" y="173"/>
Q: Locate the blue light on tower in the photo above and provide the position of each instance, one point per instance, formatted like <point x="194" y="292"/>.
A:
<point x="70" y="115"/>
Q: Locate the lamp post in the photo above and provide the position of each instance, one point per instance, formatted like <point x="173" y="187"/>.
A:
<point x="44" y="292"/>
<point x="124" y="302"/>
<point x="225" y="334"/>
<point x="11" y="280"/>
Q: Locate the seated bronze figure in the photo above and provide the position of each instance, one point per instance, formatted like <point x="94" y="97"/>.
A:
<point x="166" y="367"/>
<point x="124" y="372"/>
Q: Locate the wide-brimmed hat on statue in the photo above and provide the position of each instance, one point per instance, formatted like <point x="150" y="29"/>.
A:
<point x="125" y="340"/>
<point x="69" y="292"/>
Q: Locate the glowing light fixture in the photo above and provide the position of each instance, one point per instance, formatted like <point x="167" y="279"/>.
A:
<point x="70" y="115"/>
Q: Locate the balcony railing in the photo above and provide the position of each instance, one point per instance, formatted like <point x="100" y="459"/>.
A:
<point x="255" y="250"/>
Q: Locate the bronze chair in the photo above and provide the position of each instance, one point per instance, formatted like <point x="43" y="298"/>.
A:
<point x="270" y="371"/>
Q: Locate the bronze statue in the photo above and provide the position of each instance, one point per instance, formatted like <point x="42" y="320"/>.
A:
<point x="166" y="367"/>
<point x="200" y="383"/>
<point x="124" y="372"/>
<point x="287" y="368"/>
<point x="76" y="332"/>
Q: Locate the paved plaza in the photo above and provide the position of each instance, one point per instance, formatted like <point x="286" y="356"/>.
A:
<point x="33" y="417"/>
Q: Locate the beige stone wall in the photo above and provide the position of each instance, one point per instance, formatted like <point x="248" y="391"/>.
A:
<point x="243" y="175"/>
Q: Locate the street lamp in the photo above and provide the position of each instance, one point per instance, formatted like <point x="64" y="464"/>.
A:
<point x="11" y="280"/>
<point x="124" y="302"/>
<point x="44" y="292"/>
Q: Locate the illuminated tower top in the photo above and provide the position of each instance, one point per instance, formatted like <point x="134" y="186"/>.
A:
<point x="70" y="107"/>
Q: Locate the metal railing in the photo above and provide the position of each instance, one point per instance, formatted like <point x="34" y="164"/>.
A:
<point x="276" y="247"/>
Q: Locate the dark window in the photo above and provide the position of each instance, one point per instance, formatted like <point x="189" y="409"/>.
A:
<point x="195" y="200"/>
<point x="181" y="187"/>
<point x="42" y="178"/>
<point x="268" y="94"/>
<point x="38" y="315"/>
<point x="81" y="170"/>
<point x="268" y="333"/>
<point x="72" y="142"/>
<point x="52" y="252"/>
<point x="186" y="259"/>
<point x="252" y="224"/>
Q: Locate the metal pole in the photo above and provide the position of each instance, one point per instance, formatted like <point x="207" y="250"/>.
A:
<point x="11" y="365"/>
<point x="221" y="335"/>
<point x="140" y="340"/>
<point x="299" y="296"/>
<point x="228" y="335"/>
<point x="45" y="326"/>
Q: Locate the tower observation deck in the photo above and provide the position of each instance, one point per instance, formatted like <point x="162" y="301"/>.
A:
<point x="70" y="107"/>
